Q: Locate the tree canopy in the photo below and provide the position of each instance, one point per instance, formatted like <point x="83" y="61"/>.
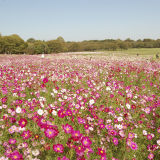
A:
<point x="14" y="44"/>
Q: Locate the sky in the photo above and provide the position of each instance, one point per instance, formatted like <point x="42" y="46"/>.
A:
<point x="77" y="20"/>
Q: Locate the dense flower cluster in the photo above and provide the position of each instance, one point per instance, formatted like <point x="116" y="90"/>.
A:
<point x="67" y="108"/>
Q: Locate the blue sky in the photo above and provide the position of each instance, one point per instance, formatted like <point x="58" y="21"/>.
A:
<point x="77" y="20"/>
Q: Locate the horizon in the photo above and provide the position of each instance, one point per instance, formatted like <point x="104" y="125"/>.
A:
<point x="81" y="20"/>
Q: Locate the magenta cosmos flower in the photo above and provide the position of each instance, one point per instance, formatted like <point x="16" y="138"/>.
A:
<point x="63" y="158"/>
<point x="133" y="146"/>
<point x="76" y="135"/>
<point x="12" y="141"/>
<point x="22" y="122"/>
<point x="45" y="80"/>
<point x="67" y="128"/>
<point x="115" y="141"/>
<point x="16" y="156"/>
<point x="58" y="148"/>
<point x="26" y="134"/>
<point x="51" y="133"/>
<point x="86" y="142"/>
<point x="79" y="150"/>
<point x="101" y="152"/>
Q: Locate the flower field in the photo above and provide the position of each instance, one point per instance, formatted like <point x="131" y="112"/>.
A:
<point x="79" y="108"/>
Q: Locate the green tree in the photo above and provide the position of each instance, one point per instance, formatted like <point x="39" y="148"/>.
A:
<point x="55" y="46"/>
<point x="31" y="40"/>
<point x="38" y="47"/>
<point x="73" y="47"/>
<point x="13" y="44"/>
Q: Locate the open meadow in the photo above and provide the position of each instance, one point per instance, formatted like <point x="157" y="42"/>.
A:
<point x="74" y="106"/>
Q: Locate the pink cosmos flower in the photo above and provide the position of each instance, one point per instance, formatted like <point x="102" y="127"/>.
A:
<point x="149" y="137"/>
<point x="81" y="120"/>
<point x="133" y="146"/>
<point x="101" y="152"/>
<point x="4" y="100"/>
<point x="22" y="122"/>
<point x="79" y="150"/>
<point x="115" y="141"/>
<point x="51" y="133"/>
<point x="112" y="132"/>
<point x="109" y="126"/>
<point x="147" y="110"/>
<point x="61" y="113"/>
<point x="103" y="158"/>
<point x="45" y="80"/>
<point x="67" y="128"/>
<point x="68" y="112"/>
<point x="102" y="126"/>
<point x="151" y="156"/>
<point x="58" y="148"/>
<point x="12" y="141"/>
<point x="131" y="135"/>
<point x="76" y="135"/>
<point x="86" y="142"/>
<point x="26" y="134"/>
<point x="63" y="158"/>
<point x="16" y="156"/>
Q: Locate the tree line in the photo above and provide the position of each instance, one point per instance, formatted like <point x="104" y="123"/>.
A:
<point x="14" y="44"/>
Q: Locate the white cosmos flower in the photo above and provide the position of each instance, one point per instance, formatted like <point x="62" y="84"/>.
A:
<point x="119" y="126"/>
<point x="91" y="102"/>
<point x="128" y="106"/>
<point x="22" y="129"/>
<point x="35" y="152"/>
<point x="65" y="97"/>
<point x="54" y="112"/>
<point x="144" y="132"/>
<point x="40" y="112"/>
<point x="120" y="119"/>
<point x="18" y="110"/>
<point x="108" y="88"/>
<point x="158" y="142"/>
<point x="90" y="128"/>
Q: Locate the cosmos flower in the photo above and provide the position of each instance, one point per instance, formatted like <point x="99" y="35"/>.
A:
<point x="67" y="128"/>
<point x="79" y="150"/>
<point x="133" y="146"/>
<point x="101" y="152"/>
<point x="22" y="122"/>
<point x="12" y="141"/>
<point x="58" y="148"/>
<point x="45" y="80"/>
<point x="26" y="134"/>
<point x="51" y="133"/>
<point x="76" y="135"/>
<point x="115" y="141"/>
<point x="40" y="112"/>
<point x="18" y="110"/>
<point x="86" y="142"/>
<point x="150" y="156"/>
<point x="149" y="137"/>
<point x="35" y="152"/>
<point x="16" y="156"/>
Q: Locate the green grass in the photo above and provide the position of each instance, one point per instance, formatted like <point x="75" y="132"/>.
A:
<point x="143" y="52"/>
<point x="140" y="51"/>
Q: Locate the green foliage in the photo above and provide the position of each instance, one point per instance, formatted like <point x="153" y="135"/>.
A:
<point x="56" y="46"/>
<point x="13" y="44"/>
